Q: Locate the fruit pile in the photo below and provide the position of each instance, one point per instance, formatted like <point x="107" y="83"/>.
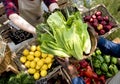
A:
<point x="100" y="23"/>
<point x="36" y="62"/>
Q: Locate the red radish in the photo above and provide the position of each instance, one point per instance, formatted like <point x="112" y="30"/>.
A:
<point x="94" y="16"/>
<point x="107" y="28"/>
<point x="87" y="18"/>
<point x="98" y="13"/>
<point x="102" y="32"/>
<point x="106" y="18"/>
<point x="100" y="18"/>
<point x="103" y="23"/>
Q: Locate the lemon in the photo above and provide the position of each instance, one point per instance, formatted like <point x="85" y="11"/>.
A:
<point x="30" y="57"/>
<point x="36" y="76"/>
<point x="37" y="67"/>
<point x="40" y="63"/>
<point x="48" y="60"/>
<point x="49" y="65"/>
<point x="43" y="59"/>
<point x="31" y="71"/>
<point x="43" y="73"/>
<point x="23" y="59"/>
<point x="27" y="64"/>
<point x="25" y="52"/>
<point x="38" y="48"/>
<point x="33" y="48"/>
<point x="32" y="64"/>
<point x="37" y="53"/>
<point x="50" y="55"/>
<point x="44" y="67"/>
<point x="31" y="53"/>
<point x="36" y="59"/>
<point x="44" y="55"/>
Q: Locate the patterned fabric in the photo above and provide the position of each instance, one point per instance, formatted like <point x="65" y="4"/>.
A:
<point x="11" y="6"/>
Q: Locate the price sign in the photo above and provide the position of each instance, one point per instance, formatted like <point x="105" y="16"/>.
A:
<point x="19" y="36"/>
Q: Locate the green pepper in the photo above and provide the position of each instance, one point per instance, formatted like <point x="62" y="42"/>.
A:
<point x="98" y="71"/>
<point x="96" y="63"/>
<point x="113" y="69"/>
<point x="98" y="52"/>
<point x="100" y="58"/>
<point x="106" y="58"/>
<point x="109" y="75"/>
<point x="114" y="60"/>
<point x="104" y="67"/>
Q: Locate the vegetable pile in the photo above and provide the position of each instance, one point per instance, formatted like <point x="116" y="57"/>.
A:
<point x="104" y="64"/>
<point x="87" y="73"/>
<point x="64" y="37"/>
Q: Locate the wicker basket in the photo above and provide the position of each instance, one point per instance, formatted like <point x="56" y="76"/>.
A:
<point x="57" y="72"/>
<point x="7" y="64"/>
<point x="105" y="12"/>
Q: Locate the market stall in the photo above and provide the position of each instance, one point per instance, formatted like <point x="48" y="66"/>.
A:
<point x="69" y="39"/>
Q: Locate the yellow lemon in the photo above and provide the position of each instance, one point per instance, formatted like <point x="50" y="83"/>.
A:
<point x="23" y="59"/>
<point x="50" y="55"/>
<point x="38" y="48"/>
<point x="31" y="71"/>
<point x="48" y="60"/>
<point x="33" y="48"/>
<point x="36" y="76"/>
<point x="37" y="67"/>
<point x="40" y="63"/>
<point x="31" y="53"/>
<point x="49" y="65"/>
<point x="43" y="73"/>
<point x="44" y="55"/>
<point x="44" y="67"/>
<point x="36" y="59"/>
<point x="43" y="60"/>
<point x="30" y="57"/>
<point x="27" y="64"/>
<point x="37" y="53"/>
<point x="25" y="52"/>
<point x="32" y="64"/>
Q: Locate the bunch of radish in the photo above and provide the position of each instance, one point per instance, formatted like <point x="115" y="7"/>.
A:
<point x="100" y="23"/>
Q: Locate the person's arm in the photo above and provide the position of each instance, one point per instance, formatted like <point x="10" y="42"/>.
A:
<point x="108" y="47"/>
<point x="12" y="14"/>
<point x="21" y="23"/>
<point x="51" y="4"/>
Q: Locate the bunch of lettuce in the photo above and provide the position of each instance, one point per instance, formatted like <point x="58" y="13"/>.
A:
<point x="64" y="37"/>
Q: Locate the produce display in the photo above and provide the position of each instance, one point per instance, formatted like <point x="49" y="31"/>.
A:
<point x="36" y="62"/>
<point x="104" y="64"/>
<point x="64" y="37"/>
<point x="100" y="23"/>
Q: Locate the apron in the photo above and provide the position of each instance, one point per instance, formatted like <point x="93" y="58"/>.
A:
<point x="31" y="11"/>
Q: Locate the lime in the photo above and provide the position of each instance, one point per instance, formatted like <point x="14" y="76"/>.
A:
<point x="38" y="48"/>
<point x="31" y="71"/>
<point x="48" y="60"/>
<point x="44" y="55"/>
<point x="30" y="57"/>
<point x="32" y="64"/>
<point x="40" y="63"/>
<point x="44" y="67"/>
<point x="27" y="64"/>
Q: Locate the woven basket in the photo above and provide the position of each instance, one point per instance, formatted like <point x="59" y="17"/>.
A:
<point x="105" y="12"/>
<point x="7" y="64"/>
<point x="59" y="70"/>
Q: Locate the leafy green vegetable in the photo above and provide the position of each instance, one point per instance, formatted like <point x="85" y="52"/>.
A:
<point x="64" y="37"/>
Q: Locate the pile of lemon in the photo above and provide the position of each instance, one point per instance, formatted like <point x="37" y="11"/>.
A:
<point x="36" y="62"/>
